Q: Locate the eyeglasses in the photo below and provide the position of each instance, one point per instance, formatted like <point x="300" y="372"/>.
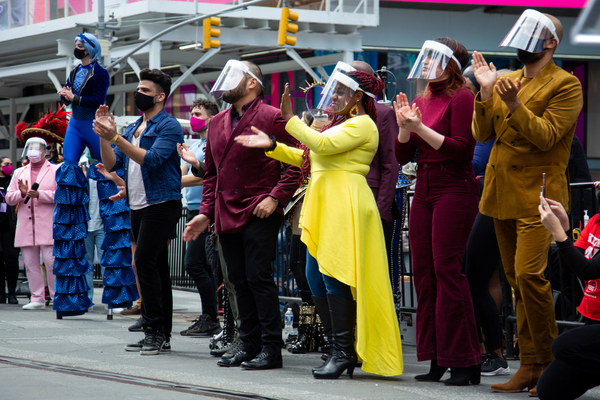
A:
<point x="82" y="37"/>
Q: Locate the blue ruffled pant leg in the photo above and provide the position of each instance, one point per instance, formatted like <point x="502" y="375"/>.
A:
<point x="69" y="232"/>
<point x="119" y="282"/>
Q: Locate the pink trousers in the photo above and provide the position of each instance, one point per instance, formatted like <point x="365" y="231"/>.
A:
<point x="31" y="258"/>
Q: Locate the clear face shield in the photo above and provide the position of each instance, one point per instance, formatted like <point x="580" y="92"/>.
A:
<point x="231" y="76"/>
<point x="34" y="149"/>
<point x="432" y="61"/>
<point x="531" y="32"/>
<point x="337" y="92"/>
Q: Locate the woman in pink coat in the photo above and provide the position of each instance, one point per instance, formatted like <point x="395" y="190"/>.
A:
<point x="34" y="217"/>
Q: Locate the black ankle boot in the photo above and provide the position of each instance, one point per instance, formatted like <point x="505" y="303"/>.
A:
<point x="12" y="299"/>
<point x="462" y="376"/>
<point x="435" y="373"/>
<point x="343" y="356"/>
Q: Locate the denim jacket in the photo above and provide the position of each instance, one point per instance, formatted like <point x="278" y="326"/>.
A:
<point x="160" y="170"/>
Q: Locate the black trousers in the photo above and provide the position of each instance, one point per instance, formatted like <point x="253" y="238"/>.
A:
<point x="249" y="256"/>
<point x="151" y="228"/>
<point x="9" y="261"/>
<point x="576" y="368"/>
<point x="481" y="260"/>
<point x="198" y="269"/>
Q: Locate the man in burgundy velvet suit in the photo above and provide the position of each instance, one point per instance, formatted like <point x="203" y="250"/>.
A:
<point x="383" y="175"/>
<point x="244" y="195"/>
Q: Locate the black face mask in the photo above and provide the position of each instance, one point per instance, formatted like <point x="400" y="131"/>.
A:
<point x="79" y="53"/>
<point x="529" y="58"/>
<point x="143" y="102"/>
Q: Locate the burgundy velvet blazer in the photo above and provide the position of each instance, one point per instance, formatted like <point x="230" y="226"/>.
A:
<point x="383" y="175"/>
<point x="237" y="178"/>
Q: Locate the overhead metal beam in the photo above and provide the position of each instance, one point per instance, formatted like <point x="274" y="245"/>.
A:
<point x="184" y="23"/>
<point x="31" y="68"/>
<point x="296" y="57"/>
<point x="198" y="63"/>
<point x="259" y="38"/>
<point x="55" y="81"/>
<point x="272" y="68"/>
<point x="134" y="65"/>
<point x="154" y="55"/>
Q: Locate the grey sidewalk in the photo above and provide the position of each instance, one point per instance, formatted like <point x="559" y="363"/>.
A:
<point x="91" y="342"/>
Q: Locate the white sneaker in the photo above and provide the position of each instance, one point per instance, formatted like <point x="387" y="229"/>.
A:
<point x="34" y="306"/>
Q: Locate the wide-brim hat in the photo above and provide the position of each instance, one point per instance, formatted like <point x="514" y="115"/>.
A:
<point x="51" y="127"/>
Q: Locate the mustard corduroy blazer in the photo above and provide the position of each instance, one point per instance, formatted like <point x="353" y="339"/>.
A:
<point x="535" y="139"/>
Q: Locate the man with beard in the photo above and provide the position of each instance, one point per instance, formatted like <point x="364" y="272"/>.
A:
<point x="532" y="113"/>
<point x="244" y="195"/>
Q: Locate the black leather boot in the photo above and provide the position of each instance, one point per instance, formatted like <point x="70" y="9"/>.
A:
<point x="462" y="376"/>
<point x="435" y="373"/>
<point x="322" y="308"/>
<point x="343" y="356"/>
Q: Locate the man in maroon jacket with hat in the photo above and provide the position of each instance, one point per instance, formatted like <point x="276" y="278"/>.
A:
<point x="244" y="195"/>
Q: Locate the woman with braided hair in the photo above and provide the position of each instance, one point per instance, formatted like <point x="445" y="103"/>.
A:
<point x="341" y="225"/>
<point x="437" y="128"/>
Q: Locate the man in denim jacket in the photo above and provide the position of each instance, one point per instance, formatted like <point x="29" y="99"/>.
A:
<point x="148" y="152"/>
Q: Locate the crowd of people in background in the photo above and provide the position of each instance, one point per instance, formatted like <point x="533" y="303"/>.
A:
<point x="483" y="141"/>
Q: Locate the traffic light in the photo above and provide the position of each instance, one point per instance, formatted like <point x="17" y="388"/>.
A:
<point x="210" y="33"/>
<point x="285" y="26"/>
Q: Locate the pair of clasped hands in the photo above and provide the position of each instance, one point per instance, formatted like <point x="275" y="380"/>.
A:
<point x="409" y="117"/>
<point x="261" y="140"/>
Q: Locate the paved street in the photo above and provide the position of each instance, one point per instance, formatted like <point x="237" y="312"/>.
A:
<point x="83" y="358"/>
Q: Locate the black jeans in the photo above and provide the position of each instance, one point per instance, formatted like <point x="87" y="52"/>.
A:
<point x="151" y="228"/>
<point x="249" y="256"/>
<point x="9" y="263"/>
<point x="198" y="269"/>
<point x="576" y="368"/>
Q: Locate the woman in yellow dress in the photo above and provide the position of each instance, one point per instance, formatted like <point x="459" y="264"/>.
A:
<point x="341" y="225"/>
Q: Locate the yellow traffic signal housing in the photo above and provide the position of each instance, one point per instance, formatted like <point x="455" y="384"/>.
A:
<point x="286" y="27"/>
<point x="210" y="33"/>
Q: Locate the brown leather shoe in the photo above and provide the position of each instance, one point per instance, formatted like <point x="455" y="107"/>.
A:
<point x="526" y="377"/>
<point x="135" y="310"/>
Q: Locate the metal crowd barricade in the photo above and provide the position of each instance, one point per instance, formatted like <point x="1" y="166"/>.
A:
<point x="179" y="278"/>
<point x="281" y="265"/>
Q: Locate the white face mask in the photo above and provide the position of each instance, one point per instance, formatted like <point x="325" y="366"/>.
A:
<point x="34" y="155"/>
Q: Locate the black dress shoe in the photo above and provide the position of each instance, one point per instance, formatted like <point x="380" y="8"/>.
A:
<point x="264" y="360"/>
<point x="236" y="360"/>
<point x="12" y="299"/>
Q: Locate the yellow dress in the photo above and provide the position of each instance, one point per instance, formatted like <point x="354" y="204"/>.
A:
<point x="341" y="227"/>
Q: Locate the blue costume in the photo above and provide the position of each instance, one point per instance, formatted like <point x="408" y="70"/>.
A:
<point x="89" y="85"/>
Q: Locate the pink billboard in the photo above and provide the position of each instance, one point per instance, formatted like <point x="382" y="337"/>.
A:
<point x="517" y="3"/>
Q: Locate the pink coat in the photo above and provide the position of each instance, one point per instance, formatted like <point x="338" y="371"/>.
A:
<point x="39" y="210"/>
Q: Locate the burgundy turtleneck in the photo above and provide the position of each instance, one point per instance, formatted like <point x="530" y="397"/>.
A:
<point x="449" y="116"/>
